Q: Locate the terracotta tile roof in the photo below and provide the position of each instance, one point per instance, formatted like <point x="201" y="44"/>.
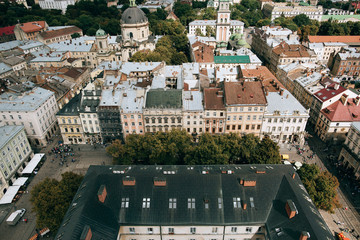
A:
<point x="60" y="32"/>
<point x="344" y="39"/>
<point x="340" y="112"/>
<point x="331" y="91"/>
<point x="213" y="99"/>
<point x="204" y="53"/>
<point x="293" y="50"/>
<point x="32" y="26"/>
<point x="244" y="93"/>
<point x="7" y="30"/>
<point x="262" y="73"/>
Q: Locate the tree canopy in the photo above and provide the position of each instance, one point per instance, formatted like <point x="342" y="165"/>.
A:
<point x="321" y="186"/>
<point x="51" y="199"/>
<point x="177" y="147"/>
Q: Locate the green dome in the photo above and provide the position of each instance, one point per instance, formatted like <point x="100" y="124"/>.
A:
<point x="100" y="33"/>
<point x="223" y="44"/>
<point x="242" y="42"/>
<point x="235" y="36"/>
<point x="218" y="45"/>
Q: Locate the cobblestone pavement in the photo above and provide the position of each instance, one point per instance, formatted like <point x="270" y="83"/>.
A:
<point x="346" y="218"/>
<point x="85" y="156"/>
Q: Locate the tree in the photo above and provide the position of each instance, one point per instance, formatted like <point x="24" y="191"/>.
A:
<point x="75" y="35"/>
<point x="301" y="20"/>
<point x="51" y="199"/>
<point x="321" y="187"/>
<point x="210" y="31"/>
<point x="198" y="32"/>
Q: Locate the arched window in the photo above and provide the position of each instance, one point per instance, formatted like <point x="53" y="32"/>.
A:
<point x="131" y="35"/>
<point x="100" y="43"/>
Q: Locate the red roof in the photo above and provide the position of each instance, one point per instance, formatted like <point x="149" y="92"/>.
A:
<point x="340" y="112"/>
<point x="213" y="99"/>
<point x="331" y="91"/>
<point x="32" y="26"/>
<point x="344" y="39"/>
<point x="7" y="30"/>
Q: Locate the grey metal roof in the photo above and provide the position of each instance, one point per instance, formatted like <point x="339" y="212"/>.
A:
<point x="72" y="108"/>
<point x="29" y="101"/>
<point x="273" y="188"/>
<point x="7" y="133"/>
<point x="286" y="103"/>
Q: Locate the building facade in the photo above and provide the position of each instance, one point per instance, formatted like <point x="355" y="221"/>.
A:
<point x="215" y="111"/>
<point x="34" y="109"/>
<point x="245" y="104"/>
<point x="350" y="153"/>
<point x="15" y="152"/>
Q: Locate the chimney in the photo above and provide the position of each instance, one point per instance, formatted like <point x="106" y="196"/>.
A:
<point x="281" y="92"/>
<point x="304" y="235"/>
<point x="336" y="86"/>
<point x="357" y="100"/>
<point x="293" y="176"/>
<point x="102" y="193"/>
<point x="290" y="209"/>
<point x="220" y="93"/>
<point x="129" y="181"/>
<point x="159" y="181"/>
<point x="244" y="205"/>
<point x="241" y="181"/>
<point x="86" y="233"/>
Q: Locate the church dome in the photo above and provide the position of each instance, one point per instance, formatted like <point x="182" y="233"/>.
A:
<point x="100" y="33"/>
<point x="133" y="15"/>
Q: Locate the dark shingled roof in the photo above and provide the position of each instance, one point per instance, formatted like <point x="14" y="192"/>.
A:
<point x="72" y="108"/>
<point x="273" y="189"/>
<point x="160" y="98"/>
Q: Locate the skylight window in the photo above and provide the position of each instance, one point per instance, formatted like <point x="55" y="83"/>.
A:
<point x="252" y="202"/>
<point x="220" y="203"/>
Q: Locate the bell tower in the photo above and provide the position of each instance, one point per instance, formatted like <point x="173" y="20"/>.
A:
<point x="223" y="21"/>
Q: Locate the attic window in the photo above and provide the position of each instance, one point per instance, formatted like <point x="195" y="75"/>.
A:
<point x="191" y="203"/>
<point x="146" y="203"/>
<point x="252" y="202"/>
<point x="125" y="203"/>
<point x="172" y="203"/>
<point x="206" y="202"/>
<point x="237" y="202"/>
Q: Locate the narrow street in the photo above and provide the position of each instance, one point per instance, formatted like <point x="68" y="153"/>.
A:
<point x="346" y="218"/>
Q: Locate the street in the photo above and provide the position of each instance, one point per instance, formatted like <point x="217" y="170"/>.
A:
<point x="85" y="156"/>
<point x="347" y="217"/>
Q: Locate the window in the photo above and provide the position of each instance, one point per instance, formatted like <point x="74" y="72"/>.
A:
<point x="150" y="230"/>
<point x="248" y="117"/>
<point x="125" y="203"/>
<point x="234" y="229"/>
<point x="191" y="203"/>
<point x="214" y="230"/>
<point x="248" y="229"/>
<point x="193" y="230"/>
<point x="172" y="203"/>
<point x="237" y="202"/>
<point x="250" y="109"/>
<point x="254" y="117"/>
<point x="146" y="203"/>
<point x="132" y="230"/>
<point x="171" y="230"/>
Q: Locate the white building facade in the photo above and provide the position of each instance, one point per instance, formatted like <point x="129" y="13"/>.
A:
<point x="35" y="110"/>
<point x="56" y="4"/>
<point x="15" y="150"/>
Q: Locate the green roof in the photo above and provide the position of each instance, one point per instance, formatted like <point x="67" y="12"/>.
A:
<point x="232" y="59"/>
<point x="160" y="98"/>
<point x="339" y="17"/>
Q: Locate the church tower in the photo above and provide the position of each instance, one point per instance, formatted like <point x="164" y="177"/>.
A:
<point x="101" y="41"/>
<point x="223" y="21"/>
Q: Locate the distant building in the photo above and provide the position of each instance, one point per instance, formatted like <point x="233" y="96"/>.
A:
<point x="15" y="151"/>
<point x="176" y="202"/>
<point x="215" y="111"/>
<point x="351" y="41"/>
<point x="193" y="112"/>
<point x="59" y="35"/>
<point x="35" y="109"/>
<point x="284" y="118"/>
<point x="223" y="26"/>
<point x="56" y="4"/>
<point x="163" y="110"/>
<point x="335" y="120"/>
<point x="341" y="18"/>
<point x="245" y="104"/>
<point x="345" y="64"/>
<point x="276" y="10"/>
<point x="29" y="30"/>
<point x="350" y="153"/>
